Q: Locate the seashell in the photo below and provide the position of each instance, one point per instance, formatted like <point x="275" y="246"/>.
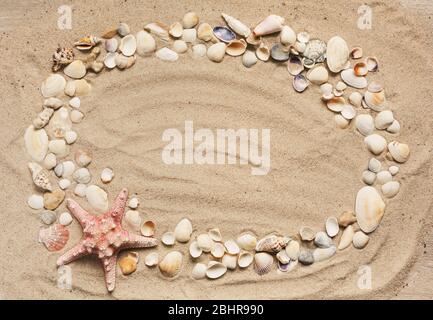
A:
<point x="394" y="127"/>
<point x="68" y="169"/>
<point x="369" y="208"/>
<point x="326" y="90"/>
<point x="399" y="151"/>
<point x="145" y="43"/>
<point x="215" y="270"/>
<point x="282" y="257"/>
<point x="287" y="36"/>
<point x="332" y="227"/>
<point x="372" y="64"/>
<point x="82" y="87"/>
<point x="253" y="40"/>
<point x="110" y="60"/>
<point x="383" y="177"/>
<point x="299" y="47"/>
<point x="171" y="264"/>
<point x="263" y="263"/>
<point x="340" y="86"/>
<point x="215" y="234"/>
<point x="110" y="33"/>
<point x="230" y="261"/>
<point x="288" y="266"/>
<point x="390" y="189"/>
<point x="224" y="34"/>
<point x="53" y="103"/>
<point x="190" y="20"/>
<point x="236" y="47"/>
<point x="128" y="45"/>
<point x="365" y="124"/>
<point x="300" y="83"/>
<point x="189" y="35"/>
<point x="393" y="170"/>
<point x="247" y="241"/>
<point x="237" y="26"/>
<point x="360" y="240"/>
<point x="384" y="119"/>
<point x="348" y="112"/>
<point x="374" y="165"/>
<point x="159" y="30"/>
<point x="346" y="238"/>
<point x="303" y="37"/>
<point x="375" y="100"/>
<point x="43" y="118"/>
<point x="48" y="217"/>
<point x="83" y="157"/>
<point x="60" y="123"/>
<point x="75" y="70"/>
<point x="368" y="177"/>
<point x="97" y="198"/>
<point x="40" y="176"/>
<point x="76" y="116"/>
<point x="176" y="30"/>
<point x="107" y="175"/>
<point x="183" y="230"/>
<point x="336" y="104"/>
<point x="318" y="75"/>
<point x="123" y="29"/>
<point x="356" y="53"/>
<point x="121" y="61"/>
<point x="111" y="45"/>
<point x="355" y="98"/>
<point x="216" y="52"/>
<point x="271" y="24"/>
<point x="128" y="263"/>
<point x="133" y="203"/>
<point x="194" y="250"/>
<point x="295" y="66"/>
<point x="64" y="184"/>
<point x="199" y="50"/>
<point x="133" y="219"/>
<point x="180" y="46"/>
<point x="65" y="219"/>
<point x="58" y="147"/>
<point x="80" y="190"/>
<point x="151" y="259"/>
<point x="337" y="54"/>
<point x="53" y="86"/>
<point x="62" y="57"/>
<point x="53" y="199"/>
<point x="54" y="237"/>
<point x="322" y="240"/>
<point x="351" y="79"/>
<point x="87" y="43"/>
<point x="249" y="59"/>
<point x="205" y="242"/>
<point x="272" y="244"/>
<point x="292" y="250"/>
<point x="218" y="250"/>
<point x="280" y="53"/>
<point x="82" y="175"/>
<point x="346" y="218"/>
<point x="245" y="259"/>
<point x="360" y="69"/>
<point x="315" y="50"/>
<point x="376" y="144"/>
<point x="231" y="247"/>
<point x="321" y="254"/>
<point x="148" y="228"/>
<point x="341" y="122"/>
<point x="306" y="257"/>
<point x="199" y="271"/>
<point x="205" y="32"/>
<point x="166" y="54"/>
<point x="70" y="88"/>
<point x="307" y="234"/>
<point x="35" y="202"/>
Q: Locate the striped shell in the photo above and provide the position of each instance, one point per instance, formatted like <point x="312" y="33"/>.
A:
<point x="272" y="244"/>
<point x="54" y="237"/>
<point x="263" y="263"/>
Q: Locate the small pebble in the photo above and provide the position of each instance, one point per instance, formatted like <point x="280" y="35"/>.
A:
<point x="65" y="219"/>
<point x="35" y="202"/>
<point x="107" y="175"/>
<point x="306" y="257"/>
<point x="48" y="217"/>
<point x="53" y="199"/>
<point x="64" y="184"/>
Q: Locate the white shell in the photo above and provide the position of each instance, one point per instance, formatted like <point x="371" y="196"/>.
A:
<point x="58" y="147"/>
<point x="337" y="54"/>
<point x="369" y="209"/>
<point x="249" y="59"/>
<point x="287" y="36"/>
<point x="375" y="100"/>
<point x="80" y="190"/>
<point x="133" y="219"/>
<point x="199" y="50"/>
<point x="215" y="270"/>
<point x="194" y="250"/>
<point x="68" y="168"/>
<point x="145" y="43"/>
<point x="64" y="184"/>
<point x="110" y="60"/>
<point x="393" y="170"/>
<point x="384" y="119"/>
<point x="349" y="77"/>
<point x="70" y="137"/>
<point x="318" y="75"/>
<point x="205" y="242"/>
<point x="199" y="271"/>
<point x="215" y="234"/>
<point x="83" y="157"/>
<point x="123" y="29"/>
<point x="36" y="142"/>
<point x="53" y="86"/>
<point x="321" y="254"/>
<point x="355" y="98"/>
<point x="166" y="54"/>
<point x="50" y="161"/>
<point x="148" y="228"/>
<point x="263" y="263"/>
<point x="60" y="123"/>
<point x="128" y="45"/>
<point x="230" y="261"/>
<point x="292" y="250"/>
<point x="65" y="219"/>
<point x="269" y="25"/>
<point x="151" y="259"/>
<point x="180" y="46"/>
<point x="390" y="189"/>
<point x="368" y="177"/>
<point x="283" y="257"/>
<point x="133" y="203"/>
<point x="232" y="247"/>
<point x="82" y="175"/>
<point x="332" y="227"/>
<point x="53" y="103"/>
<point x="176" y="30"/>
<point x="383" y="177"/>
<point x="341" y="121"/>
<point x="322" y="240"/>
<point x="205" y="32"/>
<point x="306" y="233"/>
<point x="245" y="259"/>
<point x="97" y="198"/>
<point x="247" y="241"/>
<point x="159" y="30"/>
<point x="75" y="70"/>
<point x="399" y="151"/>
<point x="375" y="143"/>
<point x="374" y="165"/>
<point x="346" y="238"/>
<point x="190" y="20"/>
<point x="360" y="240"/>
<point x="237" y="26"/>
<point x="365" y="124"/>
<point x="189" y="35"/>
<point x="218" y="250"/>
<point x="76" y="116"/>
<point x="216" y="52"/>
<point x="171" y="264"/>
<point x="35" y="202"/>
<point x="107" y="175"/>
<point x="183" y="230"/>
<point x="111" y="45"/>
<point x="394" y="127"/>
<point x="348" y="112"/>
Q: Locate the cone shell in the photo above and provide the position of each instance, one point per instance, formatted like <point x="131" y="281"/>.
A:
<point x="171" y="264"/>
<point x="237" y="26"/>
<point x="271" y="24"/>
<point x="54" y="237"/>
<point x="263" y="263"/>
<point x="128" y="263"/>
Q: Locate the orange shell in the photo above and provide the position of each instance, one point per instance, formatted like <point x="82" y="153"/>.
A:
<point x="54" y="237"/>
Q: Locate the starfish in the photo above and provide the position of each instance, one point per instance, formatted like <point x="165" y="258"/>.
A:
<point x="104" y="236"/>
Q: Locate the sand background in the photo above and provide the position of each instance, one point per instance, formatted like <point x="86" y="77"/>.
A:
<point x="315" y="167"/>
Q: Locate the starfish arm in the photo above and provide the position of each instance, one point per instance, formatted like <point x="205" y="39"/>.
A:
<point x="109" y="265"/>
<point x="72" y="254"/>
<point x="118" y="208"/>
<point x="136" y="241"/>
<point x="82" y="215"/>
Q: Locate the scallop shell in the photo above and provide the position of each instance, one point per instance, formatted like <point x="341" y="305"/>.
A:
<point x="315" y="50"/>
<point x="307" y="234"/>
<point x="372" y="64"/>
<point x="148" y="228"/>
<point x="272" y="244"/>
<point x="399" y="151"/>
<point x="337" y="54"/>
<point x="237" y="26"/>
<point x="97" y="198"/>
<point x="199" y="271"/>
<point x="232" y="247"/>
<point x="218" y="250"/>
<point x="176" y="30"/>
<point x="263" y="263"/>
<point x="54" y="237"/>
<point x="245" y="259"/>
<point x="53" y="86"/>
<point x="40" y="176"/>
<point x="287" y="36"/>
<point x="295" y="66"/>
<point x="159" y="30"/>
<point x="194" y="250"/>
<point x="321" y="254"/>
<point x="280" y="53"/>
<point x="300" y="83"/>
<point x="36" y="142"/>
<point x="128" y="45"/>
<point x="216" y="52"/>
<point x="376" y="144"/>
<point x="230" y="261"/>
<point x="183" y="230"/>
<point x="360" y="240"/>
<point x="168" y="238"/>
<point x="247" y="241"/>
<point x="332" y="227"/>
<point x="346" y="238"/>
<point x="369" y="208"/>
<point x="75" y="70"/>
<point x="151" y="259"/>
<point x="205" y="242"/>
<point x="145" y="43"/>
<point x="128" y="263"/>
<point x="224" y="34"/>
<point x="269" y="25"/>
<point x="351" y="79"/>
<point x="215" y="234"/>
<point x="171" y="264"/>
<point x="215" y="270"/>
<point x="236" y="47"/>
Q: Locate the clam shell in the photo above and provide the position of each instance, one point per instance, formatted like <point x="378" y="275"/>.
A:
<point x="376" y="144"/>
<point x="224" y="34"/>
<point x="171" y="264"/>
<point x="306" y="257"/>
<point x="393" y="170"/>
<point x="231" y="247"/>
<point x="336" y="104"/>
<point x="54" y="237"/>
<point x="128" y="45"/>
<point x="355" y="98"/>
<point x="128" y="263"/>
<point x="215" y="270"/>
<point x="183" y="230"/>
<point x="247" y="241"/>
<point x="111" y="45"/>
<point x="300" y="83"/>
<point x="237" y="26"/>
<point x="148" y="228"/>
<point x="151" y="259"/>
<point x="97" y="198"/>
<point x="321" y="254"/>
<point x="348" y="112"/>
<point x="36" y="142"/>
<point x="272" y="244"/>
<point x="283" y="257"/>
<point x="199" y="271"/>
<point x="399" y="151"/>
<point x="110" y="60"/>
<point x="346" y="218"/>
<point x="287" y="36"/>
<point x="360" y="240"/>
<point x="205" y="242"/>
<point x="307" y="234"/>
<point x="368" y="177"/>
<point x="346" y="238"/>
<point x="280" y="53"/>
<point x="374" y="165"/>
<point x="292" y="250"/>
<point x="167" y="54"/>
<point x="180" y="46"/>
<point x="383" y="177"/>
<point x="218" y="250"/>
<point x="372" y="64"/>
<point x="295" y="66"/>
<point x="337" y="54"/>
<point x="263" y="263"/>
<point x="36" y="202"/>
<point x="249" y="59"/>
<point x="176" y="30"/>
<point x="145" y="43"/>
<point x="75" y="70"/>
<point x="53" y="103"/>
<point x="394" y="127"/>
<point x="216" y="52"/>
<point x="215" y="234"/>
<point x="236" y="47"/>
<point x="356" y="53"/>
<point x="360" y="69"/>
<point x="230" y="261"/>
<point x="369" y="208"/>
<point x="351" y="79"/>
<point x="168" y="238"/>
<point x="375" y="100"/>
<point x="332" y="227"/>
<point x="390" y="189"/>
<point x="245" y="259"/>
<point x="322" y="240"/>
<point x="82" y="87"/>
<point x="288" y="266"/>
<point x="205" y="32"/>
<point x="53" y="86"/>
<point x="40" y="176"/>
<point x="190" y="20"/>
<point x="315" y="50"/>
<point x="194" y="250"/>
<point x="269" y="25"/>
<point x="123" y="29"/>
<point x="189" y="35"/>
<point x="159" y="30"/>
<point x="318" y="75"/>
<point x="365" y="124"/>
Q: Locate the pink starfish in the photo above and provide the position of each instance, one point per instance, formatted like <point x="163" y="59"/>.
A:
<point x="104" y="236"/>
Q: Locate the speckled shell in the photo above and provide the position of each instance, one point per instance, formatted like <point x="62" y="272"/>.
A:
<point x="272" y="244"/>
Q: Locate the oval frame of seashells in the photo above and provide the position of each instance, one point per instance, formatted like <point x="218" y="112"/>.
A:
<point x="309" y="61"/>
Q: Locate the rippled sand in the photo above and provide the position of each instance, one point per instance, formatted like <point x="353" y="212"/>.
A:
<point x="315" y="167"/>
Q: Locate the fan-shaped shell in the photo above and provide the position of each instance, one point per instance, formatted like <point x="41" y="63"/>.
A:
<point x="263" y="263"/>
<point x="54" y="237"/>
<point x="171" y="264"/>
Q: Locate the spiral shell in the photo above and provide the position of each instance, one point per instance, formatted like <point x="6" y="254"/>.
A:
<point x="272" y="244"/>
<point x="40" y="176"/>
